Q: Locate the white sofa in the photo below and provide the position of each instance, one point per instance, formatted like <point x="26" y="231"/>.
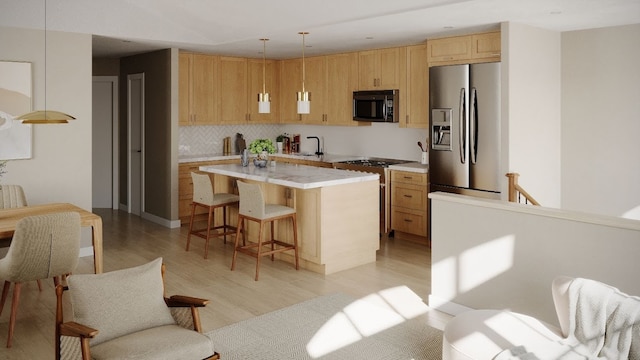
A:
<point x="583" y="307"/>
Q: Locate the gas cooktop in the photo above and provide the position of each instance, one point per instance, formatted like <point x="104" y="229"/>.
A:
<point x="374" y="162"/>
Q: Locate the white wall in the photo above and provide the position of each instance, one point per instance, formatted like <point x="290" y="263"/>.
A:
<point x="495" y="255"/>
<point x="60" y="170"/>
<point x="601" y="120"/>
<point x="531" y="110"/>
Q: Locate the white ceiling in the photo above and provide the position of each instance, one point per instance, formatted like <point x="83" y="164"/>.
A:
<point x="234" y="27"/>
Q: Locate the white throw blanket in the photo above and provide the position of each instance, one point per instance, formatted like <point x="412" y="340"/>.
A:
<point x="604" y="323"/>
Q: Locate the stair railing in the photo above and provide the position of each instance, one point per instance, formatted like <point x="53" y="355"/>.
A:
<point x="517" y="193"/>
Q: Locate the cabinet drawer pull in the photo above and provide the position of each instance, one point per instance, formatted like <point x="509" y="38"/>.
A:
<point x="408" y="177"/>
<point x="408" y="220"/>
<point x="408" y="196"/>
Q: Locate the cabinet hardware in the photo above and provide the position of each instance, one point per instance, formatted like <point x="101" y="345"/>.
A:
<point x="408" y="220"/>
<point x="408" y="196"/>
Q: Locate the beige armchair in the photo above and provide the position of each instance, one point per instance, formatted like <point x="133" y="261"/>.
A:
<point x="43" y="247"/>
<point x="124" y="314"/>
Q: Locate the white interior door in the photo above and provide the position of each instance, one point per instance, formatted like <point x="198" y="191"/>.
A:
<point x="135" y="122"/>
<point x="105" y="142"/>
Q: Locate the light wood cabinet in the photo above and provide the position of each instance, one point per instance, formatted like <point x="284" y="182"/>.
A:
<point x="290" y="84"/>
<point x="233" y="90"/>
<point x="417" y="94"/>
<point x="482" y="47"/>
<point x="198" y="98"/>
<point x="381" y="69"/>
<point x="409" y="192"/>
<point x="316" y="84"/>
<point x="255" y="75"/>
<point x="342" y="81"/>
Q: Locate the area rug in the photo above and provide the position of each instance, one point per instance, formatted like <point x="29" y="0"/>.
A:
<point x="330" y="327"/>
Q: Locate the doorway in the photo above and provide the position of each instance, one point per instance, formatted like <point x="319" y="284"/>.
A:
<point x="104" y="167"/>
<point x="135" y="143"/>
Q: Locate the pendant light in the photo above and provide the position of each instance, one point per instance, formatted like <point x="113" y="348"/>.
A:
<point x="264" y="104"/>
<point x="304" y="104"/>
<point x="45" y="116"/>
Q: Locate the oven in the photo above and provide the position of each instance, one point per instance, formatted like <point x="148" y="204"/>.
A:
<point x="378" y="166"/>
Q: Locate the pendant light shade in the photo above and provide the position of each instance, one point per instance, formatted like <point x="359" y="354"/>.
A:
<point x="45" y="116"/>
<point x="264" y="101"/>
<point x="304" y="100"/>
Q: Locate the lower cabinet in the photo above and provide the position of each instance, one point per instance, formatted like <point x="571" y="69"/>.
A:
<point x="409" y="217"/>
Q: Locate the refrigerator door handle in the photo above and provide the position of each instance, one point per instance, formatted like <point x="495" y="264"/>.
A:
<point x="473" y="125"/>
<point x="463" y="128"/>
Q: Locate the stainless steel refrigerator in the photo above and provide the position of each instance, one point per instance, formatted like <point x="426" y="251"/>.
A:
<point x="465" y="129"/>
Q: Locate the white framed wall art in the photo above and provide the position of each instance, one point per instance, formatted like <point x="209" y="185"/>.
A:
<point x="15" y="100"/>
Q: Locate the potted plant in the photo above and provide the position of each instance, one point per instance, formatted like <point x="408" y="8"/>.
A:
<point x="279" y="142"/>
<point x="262" y="147"/>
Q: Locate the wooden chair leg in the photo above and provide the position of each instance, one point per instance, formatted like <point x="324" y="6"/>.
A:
<point x="193" y="214"/>
<point x="5" y="292"/>
<point x="39" y="284"/>
<point x="14" y="310"/>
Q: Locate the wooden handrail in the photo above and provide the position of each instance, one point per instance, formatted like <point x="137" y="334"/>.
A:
<point x="516" y="191"/>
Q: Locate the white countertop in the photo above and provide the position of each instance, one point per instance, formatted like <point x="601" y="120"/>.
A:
<point x="415" y="167"/>
<point x="291" y="175"/>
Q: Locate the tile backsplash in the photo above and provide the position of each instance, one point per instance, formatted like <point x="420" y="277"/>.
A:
<point x="208" y="139"/>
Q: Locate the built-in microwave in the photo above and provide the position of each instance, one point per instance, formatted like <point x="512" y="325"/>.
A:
<point x="375" y="105"/>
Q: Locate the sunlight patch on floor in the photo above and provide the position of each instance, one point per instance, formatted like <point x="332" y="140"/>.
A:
<point x="365" y="317"/>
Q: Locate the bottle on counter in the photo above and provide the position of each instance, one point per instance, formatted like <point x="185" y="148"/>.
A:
<point x="244" y="158"/>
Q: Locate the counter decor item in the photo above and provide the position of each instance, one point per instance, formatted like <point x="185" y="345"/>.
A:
<point x="279" y="142"/>
<point x="261" y="147"/>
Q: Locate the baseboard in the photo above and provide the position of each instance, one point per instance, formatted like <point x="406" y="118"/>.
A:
<point x="172" y="224"/>
<point x="447" y="306"/>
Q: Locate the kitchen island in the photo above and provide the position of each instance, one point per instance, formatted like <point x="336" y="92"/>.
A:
<point x="337" y="211"/>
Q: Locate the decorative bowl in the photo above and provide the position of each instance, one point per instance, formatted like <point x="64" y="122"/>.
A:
<point x="260" y="163"/>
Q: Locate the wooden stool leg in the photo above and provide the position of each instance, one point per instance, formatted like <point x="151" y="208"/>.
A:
<point x="295" y="240"/>
<point x="39" y="284"/>
<point x="273" y="246"/>
<point x="235" y="246"/>
<point x="259" y="255"/>
<point x="224" y="223"/>
<point x="193" y="214"/>
<point x="206" y="241"/>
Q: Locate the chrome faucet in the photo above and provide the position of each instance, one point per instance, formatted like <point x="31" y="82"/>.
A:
<point x="318" y="151"/>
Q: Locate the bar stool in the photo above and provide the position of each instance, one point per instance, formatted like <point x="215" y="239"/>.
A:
<point x="204" y="196"/>
<point x="254" y="208"/>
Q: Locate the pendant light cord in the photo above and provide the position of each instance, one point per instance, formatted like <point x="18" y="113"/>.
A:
<point x="303" y="69"/>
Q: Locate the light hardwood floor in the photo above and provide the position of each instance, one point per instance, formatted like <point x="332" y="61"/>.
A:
<point x="235" y="296"/>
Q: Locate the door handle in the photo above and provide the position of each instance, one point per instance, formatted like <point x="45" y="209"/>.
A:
<point x="461" y="132"/>
<point x="473" y="126"/>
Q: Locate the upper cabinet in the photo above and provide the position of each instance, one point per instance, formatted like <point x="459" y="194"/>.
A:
<point x="330" y="80"/>
<point x="233" y="89"/>
<point x="417" y="94"/>
<point x="381" y="68"/>
<point x="198" y="99"/>
<point x="483" y="47"/>
<point x="290" y="83"/>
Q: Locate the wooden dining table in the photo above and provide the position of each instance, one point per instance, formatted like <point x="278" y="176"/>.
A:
<point x="9" y="218"/>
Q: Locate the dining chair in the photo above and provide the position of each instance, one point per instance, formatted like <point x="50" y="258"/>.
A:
<point x="12" y="196"/>
<point x="254" y="208"/>
<point x="204" y="196"/>
<point x="43" y="247"/>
